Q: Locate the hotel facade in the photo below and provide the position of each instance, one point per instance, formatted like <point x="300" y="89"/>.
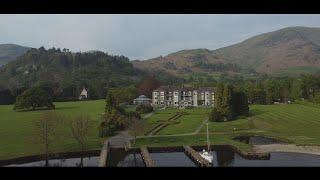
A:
<point x="166" y="96"/>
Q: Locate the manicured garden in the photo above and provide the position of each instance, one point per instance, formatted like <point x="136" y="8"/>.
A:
<point x="294" y="123"/>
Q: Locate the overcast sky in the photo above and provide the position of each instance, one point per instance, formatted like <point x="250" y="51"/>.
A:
<point x="141" y="36"/>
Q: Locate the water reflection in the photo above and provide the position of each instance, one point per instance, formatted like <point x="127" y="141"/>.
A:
<point x="223" y="157"/>
<point x="69" y="162"/>
<point x="172" y="159"/>
<point x="280" y="159"/>
<point x="121" y="158"/>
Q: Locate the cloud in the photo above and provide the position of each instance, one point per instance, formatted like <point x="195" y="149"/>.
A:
<point x="141" y="36"/>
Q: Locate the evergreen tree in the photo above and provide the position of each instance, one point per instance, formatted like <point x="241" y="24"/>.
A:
<point x="269" y="98"/>
<point x="240" y="104"/>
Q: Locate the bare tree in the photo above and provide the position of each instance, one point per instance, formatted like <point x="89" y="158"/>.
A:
<point x="45" y="132"/>
<point x="79" y="127"/>
<point x="137" y="126"/>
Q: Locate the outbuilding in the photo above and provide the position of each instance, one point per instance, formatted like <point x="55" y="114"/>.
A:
<point x="142" y="99"/>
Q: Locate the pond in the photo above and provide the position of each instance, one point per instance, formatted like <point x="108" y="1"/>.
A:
<point x="63" y="162"/>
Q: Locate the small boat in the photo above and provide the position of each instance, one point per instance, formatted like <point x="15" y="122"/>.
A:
<point x="207" y="155"/>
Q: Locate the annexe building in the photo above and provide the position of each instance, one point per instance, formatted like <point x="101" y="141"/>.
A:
<point x="142" y="99"/>
<point x="166" y="96"/>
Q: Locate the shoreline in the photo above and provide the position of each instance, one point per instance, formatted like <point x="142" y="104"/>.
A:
<point x="40" y="157"/>
<point x="288" y="148"/>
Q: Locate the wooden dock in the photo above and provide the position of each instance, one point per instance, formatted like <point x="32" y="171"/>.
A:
<point x="196" y="157"/>
<point x="104" y="154"/>
<point x="146" y="157"/>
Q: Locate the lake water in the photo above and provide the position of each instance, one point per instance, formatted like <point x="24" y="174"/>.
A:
<point x="222" y="157"/>
<point x="68" y="162"/>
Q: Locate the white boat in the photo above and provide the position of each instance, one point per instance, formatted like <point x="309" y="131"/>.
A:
<point x="207" y="155"/>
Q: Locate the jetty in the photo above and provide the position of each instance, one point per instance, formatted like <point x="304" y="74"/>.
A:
<point x="196" y="157"/>
<point x="149" y="162"/>
<point x="104" y="154"/>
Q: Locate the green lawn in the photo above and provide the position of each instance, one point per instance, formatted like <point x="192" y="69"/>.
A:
<point x="17" y="128"/>
<point x="296" y="123"/>
<point x="187" y="123"/>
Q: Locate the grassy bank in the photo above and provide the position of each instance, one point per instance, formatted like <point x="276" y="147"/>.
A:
<point x="17" y="128"/>
<point x="295" y="123"/>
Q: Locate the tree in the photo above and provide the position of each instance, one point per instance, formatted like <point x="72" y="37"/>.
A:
<point x="125" y="94"/>
<point x="79" y="131"/>
<point x="112" y="122"/>
<point x="219" y="95"/>
<point x="6" y="97"/>
<point x="148" y="85"/>
<point x="33" y="98"/>
<point x="296" y="91"/>
<point x="240" y="104"/>
<point x="111" y="102"/>
<point x="143" y="108"/>
<point x="229" y="104"/>
<point x="215" y="115"/>
<point x="259" y="96"/>
<point x="226" y="106"/>
<point x="46" y="132"/>
<point x="136" y="126"/>
<point x="316" y="98"/>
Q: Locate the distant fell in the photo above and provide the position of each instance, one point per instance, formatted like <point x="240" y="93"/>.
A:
<point x="9" y="52"/>
<point x="292" y="50"/>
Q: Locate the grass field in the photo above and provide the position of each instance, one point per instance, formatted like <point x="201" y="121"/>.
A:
<point x="295" y="123"/>
<point x="186" y="123"/>
<point x="298" y="123"/>
<point x="17" y="128"/>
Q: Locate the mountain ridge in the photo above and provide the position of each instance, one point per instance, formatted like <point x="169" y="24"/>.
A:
<point x="269" y="52"/>
<point x="9" y="52"/>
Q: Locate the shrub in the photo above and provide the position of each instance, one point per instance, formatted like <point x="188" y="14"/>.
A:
<point x="33" y="98"/>
<point x="215" y="116"/>
<point x="144" y="109"/>
<point x="316" y="99"/>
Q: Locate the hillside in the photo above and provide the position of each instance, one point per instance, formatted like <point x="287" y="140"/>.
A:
<point x="9" y="52"/>
<point x="67" y="73"/>
<point x="284" y="50"/>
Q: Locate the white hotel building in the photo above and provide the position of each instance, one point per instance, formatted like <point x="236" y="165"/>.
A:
<point x="182" y="97"/>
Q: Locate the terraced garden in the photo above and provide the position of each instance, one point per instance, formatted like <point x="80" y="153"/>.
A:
<point x="296" y="123"/>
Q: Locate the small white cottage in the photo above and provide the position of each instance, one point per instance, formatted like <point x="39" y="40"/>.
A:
<point x="83" y="94"/>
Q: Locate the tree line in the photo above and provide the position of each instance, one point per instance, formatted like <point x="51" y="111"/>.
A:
<point x="63" y="74"/>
